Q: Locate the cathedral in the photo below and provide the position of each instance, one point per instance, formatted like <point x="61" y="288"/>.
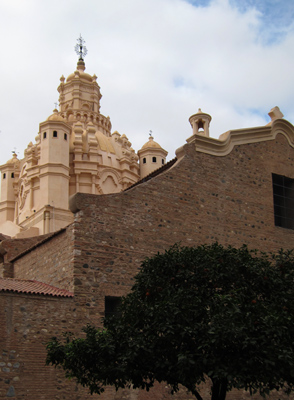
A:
<point x="74" y="150"/>
<point x="81" y="211"/>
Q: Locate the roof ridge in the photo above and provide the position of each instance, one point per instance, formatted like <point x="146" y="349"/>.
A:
<point x="30" y="286"/>
<point x="154" y="173"/>
<point x="39" y="243"/>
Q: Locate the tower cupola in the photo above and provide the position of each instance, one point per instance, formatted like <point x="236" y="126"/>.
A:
<point x="151" y="157"/>
<point x="200" y="123"/>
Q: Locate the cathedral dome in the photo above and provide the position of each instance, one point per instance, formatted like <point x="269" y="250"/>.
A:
<point x="151" y="144"/>
<point x="79" y="73"/>
<point x="55" y="116"/>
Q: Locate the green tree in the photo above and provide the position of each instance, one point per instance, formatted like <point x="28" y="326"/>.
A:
<point x="194" y="314"/>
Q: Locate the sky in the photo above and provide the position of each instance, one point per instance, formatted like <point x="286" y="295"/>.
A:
<point x="157" y="62"/>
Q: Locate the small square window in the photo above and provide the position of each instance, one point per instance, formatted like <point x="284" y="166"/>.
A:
<point x="112" y="304"/>
<point x="283" y="192"/>
<point x="44" y="135"/>
<point x="55" y="134"/>
<point x="153" y="159"/>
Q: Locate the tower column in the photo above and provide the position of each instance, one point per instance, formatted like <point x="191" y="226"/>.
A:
<point x="93" y="184"/>
<point x="46" y="222"/>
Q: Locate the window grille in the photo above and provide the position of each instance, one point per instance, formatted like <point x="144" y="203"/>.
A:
<point x="283" y="191"/>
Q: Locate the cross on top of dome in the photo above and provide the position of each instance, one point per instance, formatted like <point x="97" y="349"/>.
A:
<point x="80" y="48"/>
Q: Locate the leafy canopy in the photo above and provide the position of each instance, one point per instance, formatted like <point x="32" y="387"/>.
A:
<point x="209" y="311"/>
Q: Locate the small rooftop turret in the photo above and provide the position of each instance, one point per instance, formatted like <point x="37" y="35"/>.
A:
<point x="151" y="157"/>
<point x="200" y="123"/>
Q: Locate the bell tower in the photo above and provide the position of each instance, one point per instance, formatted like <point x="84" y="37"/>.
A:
<point x="200" y="123"/>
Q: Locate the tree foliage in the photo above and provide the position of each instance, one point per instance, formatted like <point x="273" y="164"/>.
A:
<point x="212" y="312"/>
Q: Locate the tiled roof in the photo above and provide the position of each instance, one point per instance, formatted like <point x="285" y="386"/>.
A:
<point x="39" y="241"/>
<point x="32" y="287"/>
<point x="3" y="237"/>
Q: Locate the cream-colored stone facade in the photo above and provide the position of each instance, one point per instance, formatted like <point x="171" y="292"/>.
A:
<point x="74" y="151"/>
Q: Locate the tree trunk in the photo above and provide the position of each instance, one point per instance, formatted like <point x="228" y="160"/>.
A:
<point x="219" y="389"/>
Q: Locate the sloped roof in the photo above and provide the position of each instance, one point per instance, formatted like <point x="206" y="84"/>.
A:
<point x="32" y="287"/>
<point x="156" y="172"/>
<point x="3" y="237"/>
<point x="37" y="241"/>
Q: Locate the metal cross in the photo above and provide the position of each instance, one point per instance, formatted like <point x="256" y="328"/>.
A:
<point x="80" y="49"/>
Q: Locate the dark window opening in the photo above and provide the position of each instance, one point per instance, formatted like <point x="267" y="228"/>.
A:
<point x="65" y="136"/>
<point x="162" y="161"/>
<point x="4" y="176"/>
<point x="153" y="159"/>
<point x="283" y="191"/>
<point x="12" y="174"/>
<point x="144" y="160"/>
<point x="54" y="133"/>
<point x="112" y="304"/>
<point x="44" y="135"/>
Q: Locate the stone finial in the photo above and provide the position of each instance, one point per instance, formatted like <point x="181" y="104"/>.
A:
<point x="275" y="113"/>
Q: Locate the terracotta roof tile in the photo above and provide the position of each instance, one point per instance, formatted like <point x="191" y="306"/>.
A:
<point x="32" y="287"/>
<point x="44" y="238"/>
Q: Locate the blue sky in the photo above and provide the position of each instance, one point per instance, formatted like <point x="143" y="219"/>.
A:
<point x="157" y="62"/>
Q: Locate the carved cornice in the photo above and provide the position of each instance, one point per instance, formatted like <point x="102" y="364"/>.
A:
<point x="230" y="139"/>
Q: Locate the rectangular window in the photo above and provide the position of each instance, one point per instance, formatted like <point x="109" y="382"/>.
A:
<point x="112" y="304"/>
<point x="4" y="176"/>
<point x="54" y="133"/>
<point x="44" y="135"/>
<point x="65" y="136"/>
<point x="283" y="191"/>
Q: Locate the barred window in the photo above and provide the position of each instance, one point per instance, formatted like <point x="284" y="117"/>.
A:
<point x="283" y="191"/>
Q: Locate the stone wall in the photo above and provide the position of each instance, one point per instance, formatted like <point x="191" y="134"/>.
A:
<point x="50" y="262"/>
<point x="11" y="248"/>
<point x="27" y="322"/>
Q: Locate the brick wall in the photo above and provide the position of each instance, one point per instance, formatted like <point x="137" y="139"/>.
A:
<point x="27" y="322"/>
<point x="14" y="247"/>
<point x="51" y="262"/>
<point x="11" y="248"/>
